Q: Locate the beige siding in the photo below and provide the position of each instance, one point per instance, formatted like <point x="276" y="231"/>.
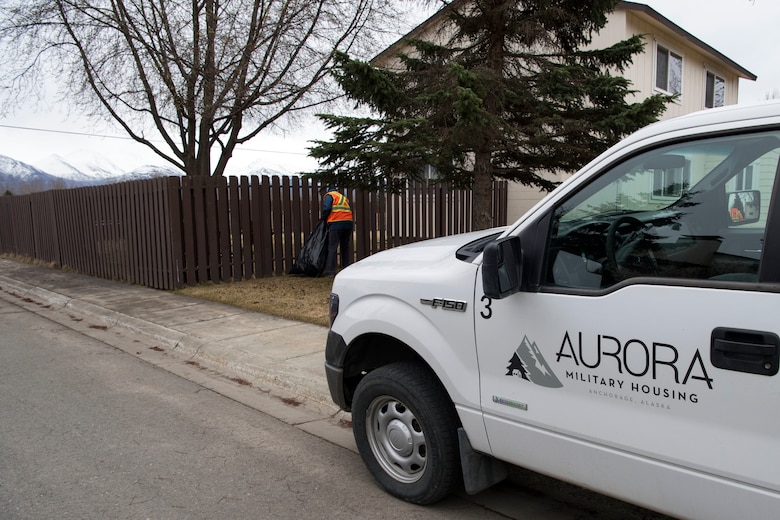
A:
<point x="521" y="198"/>
<point x="695" y="66"/>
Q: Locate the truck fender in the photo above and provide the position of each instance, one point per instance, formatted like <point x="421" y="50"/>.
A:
<point x="426" y="340"/>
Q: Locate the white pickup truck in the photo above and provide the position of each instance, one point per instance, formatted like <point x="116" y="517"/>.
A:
<point x="622" y="335"/>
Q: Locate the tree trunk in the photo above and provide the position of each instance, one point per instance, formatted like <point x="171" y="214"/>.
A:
<point x="482" y="193"/>
<point x="482" y="216"/>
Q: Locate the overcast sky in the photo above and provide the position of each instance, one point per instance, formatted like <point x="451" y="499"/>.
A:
<point x="745" y="31"/>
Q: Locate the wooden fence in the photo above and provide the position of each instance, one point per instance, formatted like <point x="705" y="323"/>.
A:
<point x="169" y="232"/>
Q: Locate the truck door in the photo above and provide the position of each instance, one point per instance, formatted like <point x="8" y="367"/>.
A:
<point x="646" y="332"/>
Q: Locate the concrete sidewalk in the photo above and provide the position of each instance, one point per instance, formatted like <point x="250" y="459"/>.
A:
<point x="282" y="353"/>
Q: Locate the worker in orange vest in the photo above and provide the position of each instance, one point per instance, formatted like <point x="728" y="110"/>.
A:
<point x="337" y="212"/>
<point x="737" y="215"/>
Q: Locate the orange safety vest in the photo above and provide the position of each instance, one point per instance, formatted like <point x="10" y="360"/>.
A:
<point x="340" y="211"/>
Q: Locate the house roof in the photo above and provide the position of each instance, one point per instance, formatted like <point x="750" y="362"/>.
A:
<point x="649" y="12"/>
<point x="641" y="10"/>
<point x="395" y="48"/>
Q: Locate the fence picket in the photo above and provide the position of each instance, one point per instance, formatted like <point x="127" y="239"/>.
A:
<point x="166" y="233"/>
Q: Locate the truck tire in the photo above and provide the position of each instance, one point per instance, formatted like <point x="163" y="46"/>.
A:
<point x="405" y="427"/>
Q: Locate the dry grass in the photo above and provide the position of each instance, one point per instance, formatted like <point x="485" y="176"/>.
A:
<point x="298" y="298"/>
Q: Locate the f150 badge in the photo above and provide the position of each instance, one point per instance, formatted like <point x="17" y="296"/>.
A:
<point x="447" y="305"/>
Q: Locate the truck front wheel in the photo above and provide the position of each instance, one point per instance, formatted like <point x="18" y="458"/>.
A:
<point x="405" y="428"/>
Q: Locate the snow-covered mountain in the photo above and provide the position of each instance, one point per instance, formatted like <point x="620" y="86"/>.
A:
<point x="13" y="168"/>
<point x="56" y="172"/>
<point x="18" y="177"/>
<point x="261" y="167"/>
<point x="87" y="168"/>
<point x="83" y="165"/>
<point x="149" y="171"/>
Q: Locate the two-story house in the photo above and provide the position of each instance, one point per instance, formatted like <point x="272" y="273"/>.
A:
<point x="674" y="62"/>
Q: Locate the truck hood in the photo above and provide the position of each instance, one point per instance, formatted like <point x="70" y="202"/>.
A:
<point x="428" y="253"/>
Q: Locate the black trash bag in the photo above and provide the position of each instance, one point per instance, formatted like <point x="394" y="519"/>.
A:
<point x="314" y="253"/>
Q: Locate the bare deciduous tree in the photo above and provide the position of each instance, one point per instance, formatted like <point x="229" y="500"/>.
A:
<point x="207" y="75"/>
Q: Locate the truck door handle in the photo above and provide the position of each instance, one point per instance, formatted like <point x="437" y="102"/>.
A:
<point x="747" y="351"/>
<point x="739" y="348"/>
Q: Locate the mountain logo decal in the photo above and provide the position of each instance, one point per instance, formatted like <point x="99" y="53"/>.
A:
<point x="528" y="363"/>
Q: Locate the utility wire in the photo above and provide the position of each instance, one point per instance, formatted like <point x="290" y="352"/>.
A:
<point x="87" y="134"/>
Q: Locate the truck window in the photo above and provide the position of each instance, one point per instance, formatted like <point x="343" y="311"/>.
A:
<point x="694" y="210"/>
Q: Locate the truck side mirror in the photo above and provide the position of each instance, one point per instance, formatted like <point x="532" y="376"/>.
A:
<point x="502" y="262"/>
<point x="744" y="207"/>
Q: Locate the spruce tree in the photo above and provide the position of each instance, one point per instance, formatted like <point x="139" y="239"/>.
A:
<point x="512" y="93"/>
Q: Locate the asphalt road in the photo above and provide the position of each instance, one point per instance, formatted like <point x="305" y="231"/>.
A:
<point x="90" y="430"/>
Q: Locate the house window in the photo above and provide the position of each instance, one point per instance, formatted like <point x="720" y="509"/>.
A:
<point x="668" y="70"/>
<point x="671" y="182"/>
<point x="715" y="91"/>
<point x="744" y="179"/>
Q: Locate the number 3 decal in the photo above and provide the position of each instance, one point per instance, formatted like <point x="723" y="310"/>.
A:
<point x="488" y="312"/>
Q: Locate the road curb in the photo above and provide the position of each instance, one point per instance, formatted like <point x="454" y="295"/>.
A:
<point x="279" y="374"/>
